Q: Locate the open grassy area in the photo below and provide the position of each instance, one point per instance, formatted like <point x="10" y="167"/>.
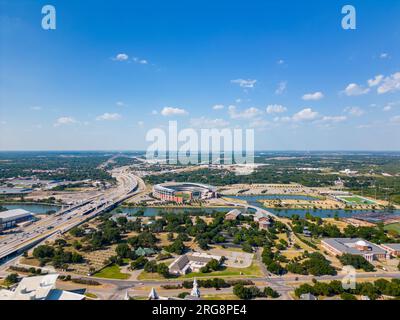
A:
<point x="356" y="200"/>
<point x="394" y="227"/>
<point x="112" y="272"/>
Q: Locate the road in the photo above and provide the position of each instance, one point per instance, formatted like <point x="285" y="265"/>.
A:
<point x="116" y="289"/>
<point x="127" y="185"/>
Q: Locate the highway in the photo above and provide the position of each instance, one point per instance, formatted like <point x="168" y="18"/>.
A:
<point x="127" y="185"/>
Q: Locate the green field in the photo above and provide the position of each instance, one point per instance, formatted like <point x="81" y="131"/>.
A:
<point x="112" y="272"/>
<point x="394" y="227"/>
<point x="356" y="200"/>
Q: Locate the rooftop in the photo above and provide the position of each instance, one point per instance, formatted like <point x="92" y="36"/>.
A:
<point x="13" y="213"/>
<point x="393" y="246"/>
<point x="348" y="245"/>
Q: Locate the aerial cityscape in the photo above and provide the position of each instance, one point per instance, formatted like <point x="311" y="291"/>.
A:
<point x="123" y="174"/>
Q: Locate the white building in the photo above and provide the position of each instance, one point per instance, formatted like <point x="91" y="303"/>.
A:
<point x="39" y="288"/>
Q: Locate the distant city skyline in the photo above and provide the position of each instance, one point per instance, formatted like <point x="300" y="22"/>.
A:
<point x="112" y="71"/>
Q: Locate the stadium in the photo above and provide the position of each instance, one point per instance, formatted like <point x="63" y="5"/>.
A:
<point x="185" y="191"/>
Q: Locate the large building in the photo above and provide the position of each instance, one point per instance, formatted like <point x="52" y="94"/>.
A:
<point x="191" y="263"/>
<point x="233" y="214"/>
<point x="39" y="288"/>
<point x="185" y="191"/>
<point x="10" y="218"/>
<point x="392" y="248"/>
<point x="339" y="246"/>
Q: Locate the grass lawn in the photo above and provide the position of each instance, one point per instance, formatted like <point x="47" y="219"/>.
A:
<point x="112" y="272"/>
<point x="356" y="200"/>
<point x="394" y="227"/>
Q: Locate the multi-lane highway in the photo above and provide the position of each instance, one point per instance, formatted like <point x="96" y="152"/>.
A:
<point x="127" y="185"/>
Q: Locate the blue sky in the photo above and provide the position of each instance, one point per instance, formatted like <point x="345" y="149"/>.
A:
<point x="112" y="70"/>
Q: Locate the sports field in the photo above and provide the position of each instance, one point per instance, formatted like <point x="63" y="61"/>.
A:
<point x="357" y="200"/>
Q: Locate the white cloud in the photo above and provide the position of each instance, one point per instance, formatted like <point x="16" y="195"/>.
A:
<point x="281" y="87"/>
<point x="354" y="111"/>
<point x="275" y="108"/>
<point x="204" y="122"/>
<point x="218" y="107"/>
<point x="245" y="114"/>
<point x="120" y="104"/>
<point x="390" y="84"/>
<point x="109" y="117"/>
<point x="384" y="55"/>
<point x="245" y="83"/>
<point x="121" y="57"/>
<point x="391" y="105"/>
<point x="375" y="81"/>
<point x="140" y="61"/>
<point x="395" y="120"/>
<point x="306" y="114"/>
<point x="280" y="61"/>
<point x="171" y="111"/>
<point x="64" y="121"/>
<point x="354" y="89"/>
<point x="313" y="96"/>
<point x="388" y="107"/>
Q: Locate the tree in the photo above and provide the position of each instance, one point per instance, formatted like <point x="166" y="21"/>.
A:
<point x="123" y="250"/>
<point x="122" y="221"/>
<point x="246" y="247"/>
<point x="12" y="278"/>
<point x="246" y="293"/>
<point x="358" y="262"/>
<point x="203" y="244"/>
<point x="303" y="289"/>
<point x="177" y="247"/>
<point x="150" y="266"/>
<point x="43" y="251"/>
<point x="275" y="268"/>
<point x="139" y="263"/>
<point x="347" y="296"/>
<point x="269" y="292"/>
<point x="60" y="242"/>
<point x="163" y="270"/>
<point x="182" y="295"/>
<point x="76" y="258"/>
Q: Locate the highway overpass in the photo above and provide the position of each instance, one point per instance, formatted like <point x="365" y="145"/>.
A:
<point x="63" y="221"/>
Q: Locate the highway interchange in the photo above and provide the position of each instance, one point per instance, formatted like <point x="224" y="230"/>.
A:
<point x="127" y="185"/>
